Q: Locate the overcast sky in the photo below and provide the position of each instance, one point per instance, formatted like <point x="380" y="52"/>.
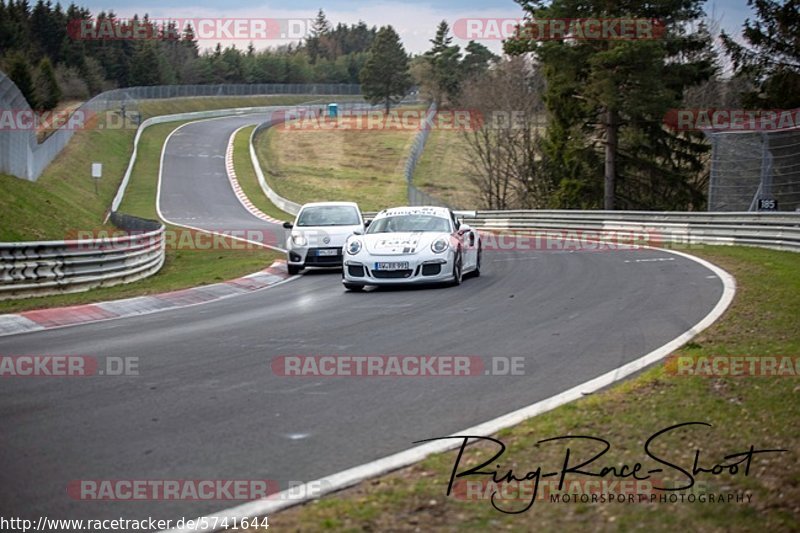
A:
<point x="415" y="20"/>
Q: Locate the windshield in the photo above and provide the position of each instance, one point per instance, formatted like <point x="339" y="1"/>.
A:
<point x="409" y="223"/>
<point x="329" y="215"/>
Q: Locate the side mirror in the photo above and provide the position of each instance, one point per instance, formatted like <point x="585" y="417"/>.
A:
<point x="367" y="223"/>
<point x="288" y="225"/>
<point x="463" y="228"/>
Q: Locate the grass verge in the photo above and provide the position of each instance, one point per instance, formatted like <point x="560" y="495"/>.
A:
<point x="762" y="411"/>
<point x="443" y="170"/>
<point x="170" y="106"/>
<point x="183" y="268"/>
<point x="64" y="197"/>
<point x="66" y="191"/>
<point x="343" y="164"/>
<point x="246" y="175"/>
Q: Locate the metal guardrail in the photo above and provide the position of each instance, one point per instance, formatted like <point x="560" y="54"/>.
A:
<point x="23" y="156"/>
<point x="55" y="267"/>
<point x="767" y="230"/>
<point x="280" y="202"/>
<point x="195" y="115"/>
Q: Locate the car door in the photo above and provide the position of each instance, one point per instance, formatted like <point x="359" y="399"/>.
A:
<point x="469" y="245"/>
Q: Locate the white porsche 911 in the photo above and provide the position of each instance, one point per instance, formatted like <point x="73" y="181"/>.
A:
<point x="406" y="245"/>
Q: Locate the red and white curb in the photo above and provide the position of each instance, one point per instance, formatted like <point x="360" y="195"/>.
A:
<point x="41" y="319"/>
<point x="237" y="189"/>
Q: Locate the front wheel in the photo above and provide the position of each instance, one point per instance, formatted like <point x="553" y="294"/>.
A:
<point x="294" y="269"/>
<point x="355" y="287"/>
<point x="458" y="269"/>
<point x="477" y="271"/>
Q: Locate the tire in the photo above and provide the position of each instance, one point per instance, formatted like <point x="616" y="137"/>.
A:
<point x="458" y="270"/>
<point x="477" y="272"/>
<point x="294" y="269"/>
<point x="355" y="287"/>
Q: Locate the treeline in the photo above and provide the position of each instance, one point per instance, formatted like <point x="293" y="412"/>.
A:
<point x="605" y="141"/>
<point x="40" y="53"/>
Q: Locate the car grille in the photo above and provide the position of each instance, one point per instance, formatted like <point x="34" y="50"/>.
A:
<point x="431" y="270"/>
<point x="391" y="274"/>
<point x="313" y="259"/>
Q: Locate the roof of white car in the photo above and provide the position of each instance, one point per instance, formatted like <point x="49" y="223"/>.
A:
<point x="442" y="212"/>
<point x="323" y="204"/>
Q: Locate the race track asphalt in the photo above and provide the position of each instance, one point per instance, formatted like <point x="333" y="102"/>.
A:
<point x="207" y="404"/>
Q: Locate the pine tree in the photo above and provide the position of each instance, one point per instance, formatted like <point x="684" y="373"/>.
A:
<point x="477" y="59"/>
<point x="319" y="30"/>
<point x="772" y="57"/>
<point x="48" y="93"/>
<point x="20" y="74"/>
<point x="189" y="41"/>
<point x="444" y="59"/>
<point x="385" y="76"/>
<point x="145" y="66"/>
<point x="606" y="101"/>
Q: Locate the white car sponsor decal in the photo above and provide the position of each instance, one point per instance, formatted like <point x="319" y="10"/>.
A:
<point x="406" y="245"/>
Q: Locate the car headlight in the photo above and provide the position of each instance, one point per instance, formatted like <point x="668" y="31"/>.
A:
<point x="353" y="247"/>
<point x="439" y="245"/>
<point x="298" y="239"/>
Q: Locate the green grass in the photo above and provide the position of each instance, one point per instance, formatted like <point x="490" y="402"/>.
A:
<point x="63" y="199"/>
<point x="762" y="411"/>
<point x="170" y="106"/>
<point x="443" y="170"/>
<point x="182" y="269"/>
<point x="338" y="165"/>
<point x="247" y="178"/>
<point x="65" y="191"/>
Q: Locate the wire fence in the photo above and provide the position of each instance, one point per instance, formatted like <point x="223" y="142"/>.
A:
<point x="415" y="195"/>
<point x="755" y="171"/>
<point x="23" y="156"/>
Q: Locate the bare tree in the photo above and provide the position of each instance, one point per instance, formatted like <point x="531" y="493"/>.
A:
<point x="504" y="149"/>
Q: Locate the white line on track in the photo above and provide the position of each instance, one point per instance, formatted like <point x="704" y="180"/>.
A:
<point x="158" y="193"/>
<point x="352" y="476"/>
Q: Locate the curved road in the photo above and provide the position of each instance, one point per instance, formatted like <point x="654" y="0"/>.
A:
<point x="208" y="406"/>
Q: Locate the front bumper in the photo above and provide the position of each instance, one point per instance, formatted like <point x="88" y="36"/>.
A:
<point x="361" y="270"/>
<point x="310" y="257"/>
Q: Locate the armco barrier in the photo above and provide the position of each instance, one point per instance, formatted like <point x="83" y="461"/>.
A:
<point x="22" y="156"/>
<point x="768" y="230"/>
<point x="280" y="202"/>
<point x="268" y="120"/>
<point x="56" y="267"/>
<point x="196" y="115"/>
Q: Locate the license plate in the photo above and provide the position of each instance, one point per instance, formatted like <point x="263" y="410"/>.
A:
<point x="392" y="266"/>
<point x="327" y="252"/>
